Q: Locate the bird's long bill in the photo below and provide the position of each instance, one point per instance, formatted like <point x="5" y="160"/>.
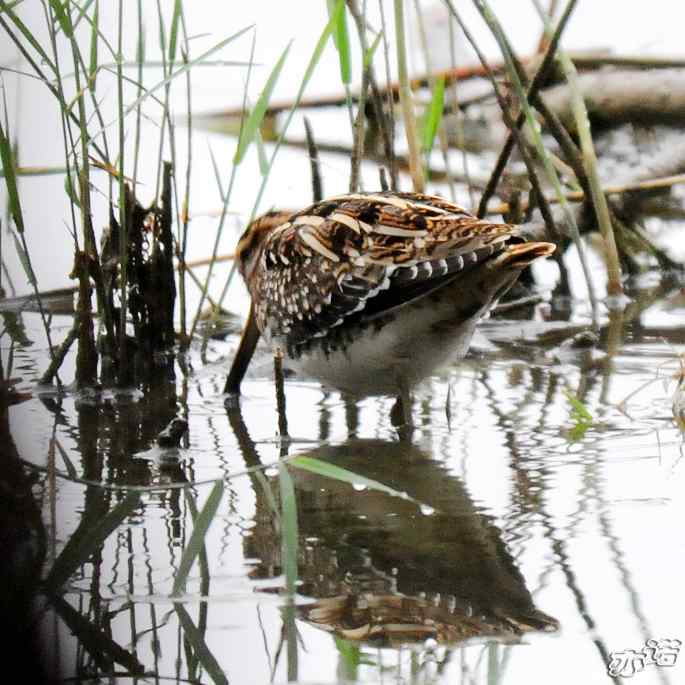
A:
<point x="243" y="355"/>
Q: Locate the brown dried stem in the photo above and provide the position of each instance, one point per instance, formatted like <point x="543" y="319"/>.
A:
<point x="536" y="84"/>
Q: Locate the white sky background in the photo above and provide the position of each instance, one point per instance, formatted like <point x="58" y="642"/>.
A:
<point x="624" y="26"/>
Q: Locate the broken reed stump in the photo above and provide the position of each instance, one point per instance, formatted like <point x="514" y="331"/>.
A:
<point x="86" y="355"/>
<point x="151" y="286"/>
<point x="151" y="298"/>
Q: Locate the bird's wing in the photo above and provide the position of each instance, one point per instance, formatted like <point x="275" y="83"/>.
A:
<point x="364" y="255"/>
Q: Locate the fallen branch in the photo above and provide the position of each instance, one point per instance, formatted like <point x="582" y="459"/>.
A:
<point x="619" y="96"/>
<point x="579" y="196"/>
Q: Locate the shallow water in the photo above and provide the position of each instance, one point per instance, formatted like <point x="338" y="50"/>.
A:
<point x="518" y="542"/>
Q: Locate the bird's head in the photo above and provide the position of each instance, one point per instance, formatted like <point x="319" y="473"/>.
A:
<point x="251" y="244"/>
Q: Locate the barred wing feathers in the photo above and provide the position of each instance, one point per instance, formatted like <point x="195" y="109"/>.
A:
<point x="363" y="255"/>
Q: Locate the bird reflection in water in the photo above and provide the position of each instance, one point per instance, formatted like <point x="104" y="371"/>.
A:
<point x="387" y="569"/>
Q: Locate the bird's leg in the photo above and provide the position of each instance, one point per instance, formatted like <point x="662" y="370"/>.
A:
<point x="280" y="392"/>
<point x="351" y="417"/>
<point x="400" y="414"/>
<point x="243" y="355"/>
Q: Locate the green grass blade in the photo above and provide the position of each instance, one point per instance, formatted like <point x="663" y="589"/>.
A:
<point x="203" y="561"/>
<point x="261" y="154"/>
<point x="28" y="36"/>
<point x="25" y="261"/>
<point x="81" y="547"/>
<point x="81" y="12"/>
<point x="71" y="191"/>
<point x="173" y="34"/>
<point x="93" y="65"/>
<point x="10" y="172"/>
<point x="196" y="542"/>
<point x="341" y="40"/>
<point x="288" y="528"/>
<point x="253" y="122"/>
<point x="199" y="646"/>
<point x="599" y="200"/>
<point x="536" y="137"/>
<point x="311" y="66"/>
<point x="433" y="115"/>
<point x="183" y="69"/>
<point x="324" y="468"/>
<point x="4" y="7"/>
<point x="63" y="16"/>
<point x="71" y="469"/>
<point x="407" y="101"/>
<point x="368" y="55"/>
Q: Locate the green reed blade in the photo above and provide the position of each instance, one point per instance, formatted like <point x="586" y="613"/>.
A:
<point x="433" y="115"/>
<point x="199" y="646"/>
<point x="183" y="69"/>
<point x="324" y="468"/>
<point x="173" y="34"/>
<point x="93" y="63"/>
<point x="63" y="17"/>
<point x="10" y="173"/>
<point x="197" y="537"/>
<point x="254" y="120"/>
<point x="341" y="40"/>
<point x="81" y="547"/>
<point x="289" y="528"/>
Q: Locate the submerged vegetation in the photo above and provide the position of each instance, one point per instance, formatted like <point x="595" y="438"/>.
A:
<point x="140" y="320"/>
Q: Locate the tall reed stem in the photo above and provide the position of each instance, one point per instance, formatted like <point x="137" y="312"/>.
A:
<point x="406" y="101"/>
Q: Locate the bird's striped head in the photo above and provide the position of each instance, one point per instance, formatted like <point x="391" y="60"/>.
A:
<point x="251" y="243"/>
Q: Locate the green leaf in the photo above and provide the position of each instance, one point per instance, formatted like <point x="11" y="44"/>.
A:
<point x="341" y="40"/>
<point x="82" y="546"/>
<point x="253" y="122"/>
<point x="288" y="528"/>
<point x="197" y="538"/>
<point x="433" y="114"/>
<point x="10" y="172"/>
<point x="199" y="646"/>
<point x="581" y="417"/>
<point x="324" y="468"/>
<point x="579" y="411"/>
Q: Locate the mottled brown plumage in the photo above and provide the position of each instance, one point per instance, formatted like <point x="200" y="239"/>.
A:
<point x="338" y="272"/>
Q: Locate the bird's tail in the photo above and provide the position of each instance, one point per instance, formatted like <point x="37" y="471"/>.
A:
<point x="520" y="255"/>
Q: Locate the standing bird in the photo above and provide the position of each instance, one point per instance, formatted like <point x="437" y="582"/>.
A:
<point x="371" y="292"/>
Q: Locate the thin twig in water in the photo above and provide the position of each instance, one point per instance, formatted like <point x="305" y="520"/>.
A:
<point x="317" y="185"/>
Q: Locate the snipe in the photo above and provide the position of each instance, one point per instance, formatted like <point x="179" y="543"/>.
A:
<point x="371" y="292"/>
